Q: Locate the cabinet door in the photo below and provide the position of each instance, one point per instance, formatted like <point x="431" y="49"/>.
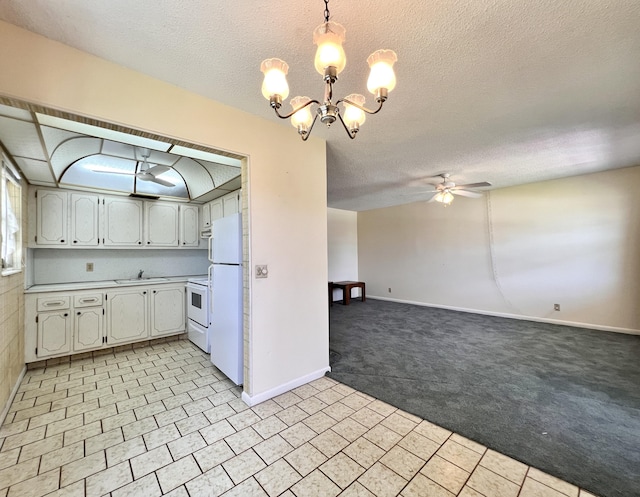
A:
<point x="215" y="206"/>
<point x="189" y="234"/>
<point x="231" y="204"/>
<point x="205" y="215"/>
<point x="167" y="311"/>
<point x="161" y="224"/>
<point x="127" y="316"/>
<point x="122" y="222"/>
<point x="51" y="218"/>
<point x="88" y="328"/>
<point x="84" y="220"/>
<point x="54" y="333"/>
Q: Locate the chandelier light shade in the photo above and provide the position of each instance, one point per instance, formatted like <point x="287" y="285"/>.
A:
<point x="445" y="197"/>
<point x="330" y="61"/>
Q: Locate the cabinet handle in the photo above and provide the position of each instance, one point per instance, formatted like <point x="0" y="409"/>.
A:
<point x="50" y="304"/>
<point x="75" y="241"/>
<point x="66" y="314"/>
<point x="139" y="243"/>
<point x="93" y="299"/>
<point x="79" y="313"/>
<point x="61" y="241"/>
<point x="144" y="293"/>
<point x="154" y="291"/>
<point x="148" y="243"/>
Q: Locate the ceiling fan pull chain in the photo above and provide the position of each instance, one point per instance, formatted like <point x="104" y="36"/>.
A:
<point x="326" y="10"/>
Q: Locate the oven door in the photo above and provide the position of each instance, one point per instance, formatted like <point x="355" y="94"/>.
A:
<point x="198" y="304"/>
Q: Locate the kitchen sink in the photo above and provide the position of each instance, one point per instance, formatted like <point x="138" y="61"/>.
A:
<point x="141" y="280"/>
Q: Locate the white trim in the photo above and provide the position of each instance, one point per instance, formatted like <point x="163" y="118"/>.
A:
<point x="252" y="400"/>
<point x="615" y="329"/>
<point x="5" y="411"/>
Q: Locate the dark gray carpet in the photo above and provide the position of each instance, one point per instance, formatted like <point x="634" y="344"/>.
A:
<point x="565" y="400"/>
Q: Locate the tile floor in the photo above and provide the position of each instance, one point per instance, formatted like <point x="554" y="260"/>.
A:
<point x="161" y="420"/>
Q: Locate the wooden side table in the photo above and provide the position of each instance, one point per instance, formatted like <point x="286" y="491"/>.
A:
<point x="346" y="287"/>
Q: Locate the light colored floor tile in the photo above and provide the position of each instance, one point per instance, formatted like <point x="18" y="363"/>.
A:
<point x="118" y="420"/>
<point x="311" y="405"/>
<point x="40" y="447"/>
<point x="432" y="432"/>
<point x="103" y="441"/>
<point x="243" y="466"/>
<point x="488" y="483"/>
<point x="73" y="490"/>
<point x="266" y="409"/>
<point x="144" y="487"/>
<point x="469" y="444"/>
<point x="137" y="428"/>
<point x="356" y="490"/>
<point x="355" y="401"/>
<point x="329" y="396"/>
<point x="171" y="416"/>
<point x="210" y="484"/>
<point x="329" y="443"/>
<point x="382" y="407"/>
<point x="213" y="455"/>
<point x="349" y="429"/>
<point x="150" y="461"/>
<point x="342" y="470"/>
<point x="243" y="419"/>
<point x="381" y="481"/>
<point x="82" y="468"/>
<point x="338" y="411"/>
<point x="217" y="431"/>
<point x="399" y="424"/>
<point x="505" y="466"/>
<point x="277" y="477"/>
<point x="553" y="482"/>
<point x="37" y="486"/>
<point x="270" y="426"/>
<point x="272" y="449"/>
<point x="243" y="440"/>
<point x="161" y="436"/>
<point x="219" y="413"/>
<point x="9" y="429"/>
<point x="445" y="474"/>
<point x="177" y="473"/>
<point x="124" y="451"/>
<point x="292" y="415"/>
<point x="20" y="472"/>
<point x="82" y="433"/>
<point x="402" y="462"/>
<point x="298" y="434"/>
<point x="62" y="456"/>
<point x="419" y="445"/>
<point x="305" y="391"/>
<point x="287" y="399"/>
<point x="305" y="459"/>
<point x="364" y="452"/>
<point x="315" y="484"/>
<point x="421" y="486"/>
<point x="24" y="438"/>
<point x="100" y="413"/>
<point x="192" y="423"/>
<point x="383" y="437"/>
<point x="319" y="422"/>
<point x="149" y="409"/>
<point x="533" y="488"/>
<point x="112" y="478"/>
<point x="186" y="445"/>
<point x="46" y="418"/>
<point x="9" y="458"/>
<point x="584" y="493"/>
<point x="249" y="488"/>
<point x="460" y="455"/>
<point x="469" y="492"/>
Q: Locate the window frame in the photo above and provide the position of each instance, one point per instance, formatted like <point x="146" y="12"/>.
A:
<point x="9" y="174"/>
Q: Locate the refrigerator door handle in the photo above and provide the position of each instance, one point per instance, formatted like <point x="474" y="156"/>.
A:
<point x="210" y="274"/>
<point x="210" y="248"/>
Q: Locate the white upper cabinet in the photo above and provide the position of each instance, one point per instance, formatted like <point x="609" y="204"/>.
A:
<point x="161" y="227"/>
<point x="231" y="203"/>
<point x="122" y="222"/>
<point x="84" y="219"/>
<point x="189" y="234"/>
<point x="205" y="216"/>
<point x="217" y="209"/>
<point x="51" y="218"/>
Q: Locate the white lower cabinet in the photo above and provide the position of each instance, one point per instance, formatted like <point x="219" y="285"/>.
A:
<point x="53" y="333"/>
<point x="167" y="310"/>
<point x="127" y="315"/>
<point x="63" y="323"/>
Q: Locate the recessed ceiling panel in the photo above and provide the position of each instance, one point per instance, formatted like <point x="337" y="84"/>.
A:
<point x="195" y="175"/>
<point x="53" y="137"/>
<point x="22" y="114"/>
<point x="103" y="172"/>
<point x="221" y="173"/>
<point x="156" y="157"/>
<point x="72" y="150"/>
<point x="35" y="170"/>
<point x="178" y="190"/>
<point x="208" y="156"/>
<point x="118" y="149"/>
<point x="21" y="138"/>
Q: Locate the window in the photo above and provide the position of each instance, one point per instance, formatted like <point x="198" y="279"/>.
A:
<point x="11" y="220"/>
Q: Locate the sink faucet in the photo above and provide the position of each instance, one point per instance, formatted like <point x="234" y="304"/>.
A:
<point x="140" y="274"/>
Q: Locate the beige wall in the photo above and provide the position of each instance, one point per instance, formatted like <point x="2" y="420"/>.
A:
<point x="286" y="189"/>
<point x="342" y="234"/>
<point x="520" y="250"/>
<point x="12" y="322"/>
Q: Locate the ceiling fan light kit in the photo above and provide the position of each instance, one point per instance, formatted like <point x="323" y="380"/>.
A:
<point x="329" y="61"/>
<point x="445" y="189"/>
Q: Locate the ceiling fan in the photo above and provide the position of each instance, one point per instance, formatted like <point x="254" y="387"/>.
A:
<point x="445" y="189"/>
<point x="145" y="171"/>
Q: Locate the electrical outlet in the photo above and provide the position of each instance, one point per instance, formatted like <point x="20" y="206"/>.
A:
<point x="389" y="290"/>
<point x="262" y="271"/>
<point x="556" y="307"/>
<point x="89" y="267"/>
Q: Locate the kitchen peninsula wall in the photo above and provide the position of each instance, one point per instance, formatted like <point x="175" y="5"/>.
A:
<point x="69" y="266"/>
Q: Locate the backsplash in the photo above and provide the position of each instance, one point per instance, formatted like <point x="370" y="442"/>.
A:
<point x="69" y="266"/>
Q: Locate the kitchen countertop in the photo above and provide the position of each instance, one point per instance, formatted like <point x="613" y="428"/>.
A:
<point x="90" y="285"/>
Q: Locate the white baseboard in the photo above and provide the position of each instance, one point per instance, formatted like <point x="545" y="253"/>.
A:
<point x="252" y="400"/>
<point x="614" y="329"/>
<point x="14" y="391"/>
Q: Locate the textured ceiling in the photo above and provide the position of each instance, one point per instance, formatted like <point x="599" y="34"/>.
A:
<point x="509" y="91"/>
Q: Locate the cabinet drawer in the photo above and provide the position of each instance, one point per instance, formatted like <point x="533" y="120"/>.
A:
<point x="53" y="303"/>
<point x="87" y="300"/>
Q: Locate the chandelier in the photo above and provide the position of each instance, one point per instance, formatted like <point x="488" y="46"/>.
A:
<point x="329" y="62"/>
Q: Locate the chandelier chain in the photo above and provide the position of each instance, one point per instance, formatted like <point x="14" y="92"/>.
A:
<point x="326" y="10"/>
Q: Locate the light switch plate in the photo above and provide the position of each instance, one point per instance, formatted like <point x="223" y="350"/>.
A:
<point x="262" y="271"/>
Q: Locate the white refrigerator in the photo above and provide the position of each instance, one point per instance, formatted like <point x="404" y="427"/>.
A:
<point x="225" y="275"/>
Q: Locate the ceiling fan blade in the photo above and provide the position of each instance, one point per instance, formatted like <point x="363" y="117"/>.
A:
<point x="467" y="193"/>
<point x="421" y="192"/>
<point x="158" y="170"/>
<point x="432" y="199"/>
<point x="474" y="185"/>
<point x="153" y="179"/>
<point x="113" y="172"/>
